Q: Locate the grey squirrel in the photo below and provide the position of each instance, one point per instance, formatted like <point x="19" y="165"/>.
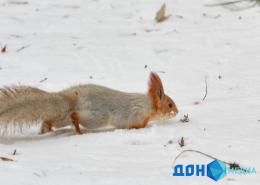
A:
<point x="91" y="106"/>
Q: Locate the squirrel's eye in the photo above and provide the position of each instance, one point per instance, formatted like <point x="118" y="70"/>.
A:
<point x="170" y="105"/>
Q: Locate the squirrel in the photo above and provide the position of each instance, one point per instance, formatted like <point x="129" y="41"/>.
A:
<point x="91" y="106"/>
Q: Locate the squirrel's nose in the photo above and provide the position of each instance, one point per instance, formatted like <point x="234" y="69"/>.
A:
<point x="176" y="110"/>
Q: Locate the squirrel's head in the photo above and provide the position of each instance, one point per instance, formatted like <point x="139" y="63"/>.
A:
<point x="163" y="105"/>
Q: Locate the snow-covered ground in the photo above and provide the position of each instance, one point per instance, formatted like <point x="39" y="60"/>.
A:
<point x="109" y="42"/>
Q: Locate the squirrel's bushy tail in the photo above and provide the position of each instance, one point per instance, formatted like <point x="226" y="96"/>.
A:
<point x="22" y="106"/>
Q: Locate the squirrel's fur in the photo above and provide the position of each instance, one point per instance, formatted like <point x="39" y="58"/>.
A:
<point x="91" y="106"/>
<point x="23" y="105"/>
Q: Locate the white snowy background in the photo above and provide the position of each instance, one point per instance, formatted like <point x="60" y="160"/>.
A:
<point x="109" y="42"/>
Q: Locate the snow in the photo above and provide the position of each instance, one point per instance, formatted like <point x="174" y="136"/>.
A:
<point x="109" y="43"/>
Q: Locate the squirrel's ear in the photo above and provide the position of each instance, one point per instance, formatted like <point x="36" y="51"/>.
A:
<point x="156" y="90"/>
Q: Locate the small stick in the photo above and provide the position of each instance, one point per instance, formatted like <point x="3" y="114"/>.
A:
<point x="6" y="159"/>
<point x="161" y="72"/>
<point x="23" y="47"/>
<point x="206" y="91"/>
<point x="181" y="142"/>
<point x="230" y="164"/>
<point x="18" y="3"/>
<point x="43" y="80"/>
<point x="225" y="3"/>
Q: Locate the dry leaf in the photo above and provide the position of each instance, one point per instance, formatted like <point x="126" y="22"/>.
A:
<point x="160" y="15"/>
<point x="234" y="165"/>
<point x="185" y="119"/>
<point x="3" y="50"/>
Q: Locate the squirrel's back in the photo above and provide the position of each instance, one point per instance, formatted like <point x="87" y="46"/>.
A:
<point x="99" y="104"/>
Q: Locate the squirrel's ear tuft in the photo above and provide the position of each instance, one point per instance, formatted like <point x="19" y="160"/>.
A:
<point x="155" y="91"/>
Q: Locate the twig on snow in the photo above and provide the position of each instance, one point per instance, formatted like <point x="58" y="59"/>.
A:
<point x="43" y="80"/>
<point x="5" y="159"/>
<point x="14" y="152"/>
<point x="206" y="89"/>
<point x="23" y="47"/>
<point x="181" y="142"/>
<point x="224" y="3"/>
<point x="236" y="5"/>
<point x="232" y="165"/>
